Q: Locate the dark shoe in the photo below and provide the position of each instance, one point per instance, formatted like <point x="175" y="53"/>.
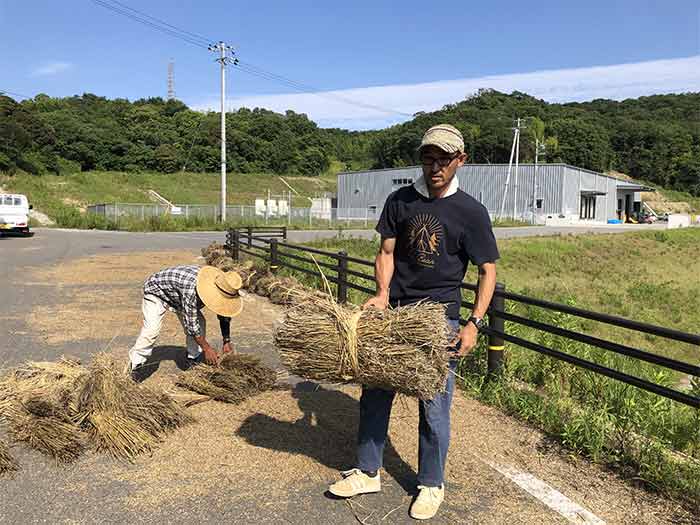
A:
<point x="137" y="373"/>
<point x="194" y="361"/>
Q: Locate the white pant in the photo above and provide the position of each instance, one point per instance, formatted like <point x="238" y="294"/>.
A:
<point x="153" y="311"/>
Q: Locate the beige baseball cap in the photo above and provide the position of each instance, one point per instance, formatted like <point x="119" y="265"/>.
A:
<point x="446" y="137"/>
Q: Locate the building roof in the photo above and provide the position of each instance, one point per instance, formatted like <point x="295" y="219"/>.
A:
<point x="633" y="186"/>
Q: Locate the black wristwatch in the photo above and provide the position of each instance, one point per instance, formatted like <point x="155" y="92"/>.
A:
<point x="478" y="322"/>
<point x="227" y="340"/>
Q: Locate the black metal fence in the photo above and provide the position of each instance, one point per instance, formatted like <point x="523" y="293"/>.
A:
<point x="270" y="245"/>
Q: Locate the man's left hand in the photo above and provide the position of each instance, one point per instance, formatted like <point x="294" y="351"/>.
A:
<point x="227" y="348"/>
<point x="467" y="338"/>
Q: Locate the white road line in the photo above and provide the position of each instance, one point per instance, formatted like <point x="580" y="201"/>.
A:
<point x="548" y="495"/>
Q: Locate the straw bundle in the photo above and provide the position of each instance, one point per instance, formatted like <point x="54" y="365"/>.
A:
<point x="54" y="436"/>
<point x="402" y="349"/>
<point x="7" y="462"/>
<point x="124" y="418"/>
<point x="60" y="408"/>
<point x="238" y="377"/>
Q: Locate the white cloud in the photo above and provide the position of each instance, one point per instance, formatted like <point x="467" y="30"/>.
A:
<point x="616" y="82"/>
<point x="52" y="68"/>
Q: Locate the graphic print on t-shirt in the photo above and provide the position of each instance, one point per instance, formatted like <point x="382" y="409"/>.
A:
<point x="424" y="235"/>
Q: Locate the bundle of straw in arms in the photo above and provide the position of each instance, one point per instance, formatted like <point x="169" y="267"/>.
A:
<point x="402" y="349"/>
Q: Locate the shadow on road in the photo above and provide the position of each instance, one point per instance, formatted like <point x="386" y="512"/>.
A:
<point x="176" y="354"/>
<point x="327" y="432"/>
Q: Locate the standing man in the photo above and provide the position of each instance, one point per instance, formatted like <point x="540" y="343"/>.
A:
<point x="185" y="290"/>
<point x="430" y="231"/>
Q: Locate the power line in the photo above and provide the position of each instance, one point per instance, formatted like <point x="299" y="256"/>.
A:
<point x="160" y="26"/>
<point x="305" y="88"/>
<point x="20" y="95"/>
<point x="141" y="13"/>
<point x="247" y="67"/>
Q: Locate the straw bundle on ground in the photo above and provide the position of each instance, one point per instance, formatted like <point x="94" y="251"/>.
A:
<point x="7" y="462"/>
<point x="402" y="349"/>
<point x="60" y="408"/>
<point x="123" y="418"/>
<point x="238" y="377"/>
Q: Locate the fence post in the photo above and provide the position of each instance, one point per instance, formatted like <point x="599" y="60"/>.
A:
<point x="342" y="277"/>
<point x="496" y="343"/>
<point x="250" y="236"/>
<point x="274" y="256"/>
<point x="284" y="233"/>
<point x="232" y="239"/>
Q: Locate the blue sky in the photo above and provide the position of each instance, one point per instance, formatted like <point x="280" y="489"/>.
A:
<point x="401" y="56"/>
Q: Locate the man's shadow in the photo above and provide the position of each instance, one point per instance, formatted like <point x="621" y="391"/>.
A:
<point x="327" y="432"/>
<point x="176" y="354"/>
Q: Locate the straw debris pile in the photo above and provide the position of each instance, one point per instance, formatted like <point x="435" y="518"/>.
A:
<point x="402" y="349"/>
<point x="217" y="255"/>
<point x="235" y="379"/>
<point x="63" y="408"/>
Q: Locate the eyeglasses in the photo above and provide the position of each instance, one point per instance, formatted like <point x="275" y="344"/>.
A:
<point x="429" y="162"/>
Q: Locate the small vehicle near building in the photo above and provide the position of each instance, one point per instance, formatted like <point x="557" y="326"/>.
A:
<point x="14" y="213"/>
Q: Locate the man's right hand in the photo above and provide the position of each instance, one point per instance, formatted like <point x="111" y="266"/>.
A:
<point x="210" y="356"/>
<point x="378" y="301"/>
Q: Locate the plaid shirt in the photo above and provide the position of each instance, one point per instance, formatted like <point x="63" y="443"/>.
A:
<point x="177" y="286"/>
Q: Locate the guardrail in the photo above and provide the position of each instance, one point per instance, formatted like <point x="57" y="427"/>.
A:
<point x="278" y="253"/>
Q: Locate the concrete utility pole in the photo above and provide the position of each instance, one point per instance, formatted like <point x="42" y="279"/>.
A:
<point x="516" y="132"/>
<point x="517" y="166"/>
<point x="224" y="59"/>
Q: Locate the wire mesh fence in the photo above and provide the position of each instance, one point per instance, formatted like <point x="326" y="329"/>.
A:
<point x="364" y="217"/>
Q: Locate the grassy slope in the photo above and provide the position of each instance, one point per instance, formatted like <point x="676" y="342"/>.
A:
<point x="51" y="192"/>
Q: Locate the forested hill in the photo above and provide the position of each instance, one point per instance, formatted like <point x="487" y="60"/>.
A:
<point x="656" y="138"/>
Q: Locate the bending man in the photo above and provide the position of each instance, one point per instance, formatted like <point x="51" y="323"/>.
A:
<point x="185" y="290"/>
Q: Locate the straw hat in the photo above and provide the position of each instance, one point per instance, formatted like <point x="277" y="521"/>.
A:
<point x="219" y="291"/>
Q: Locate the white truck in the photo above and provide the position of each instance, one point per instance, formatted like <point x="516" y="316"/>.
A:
<point x="14" y="213"/>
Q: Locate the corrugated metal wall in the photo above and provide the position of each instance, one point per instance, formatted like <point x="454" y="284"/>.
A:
<point x="484" y="182"/>
<point x="558" y="185"/>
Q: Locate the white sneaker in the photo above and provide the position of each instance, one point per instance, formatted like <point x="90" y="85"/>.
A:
<point x="427" y="502"/>
<point x="355" y="482"/>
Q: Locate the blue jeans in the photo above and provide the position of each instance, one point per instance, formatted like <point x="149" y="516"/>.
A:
<point x="433" y="429"/>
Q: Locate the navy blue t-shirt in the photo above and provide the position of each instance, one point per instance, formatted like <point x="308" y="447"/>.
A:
<point x="435" y="240"/>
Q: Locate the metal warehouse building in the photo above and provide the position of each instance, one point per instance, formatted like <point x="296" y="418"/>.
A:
<point x="556" y="192"/>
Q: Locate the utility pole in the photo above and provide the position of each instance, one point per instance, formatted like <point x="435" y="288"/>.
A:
<point x="517" y="165"/>
<point x="224" y="60"/>
<point x="516" y="134"/>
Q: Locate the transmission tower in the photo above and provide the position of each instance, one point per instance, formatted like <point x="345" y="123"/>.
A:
<point x="171" y="80"/>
